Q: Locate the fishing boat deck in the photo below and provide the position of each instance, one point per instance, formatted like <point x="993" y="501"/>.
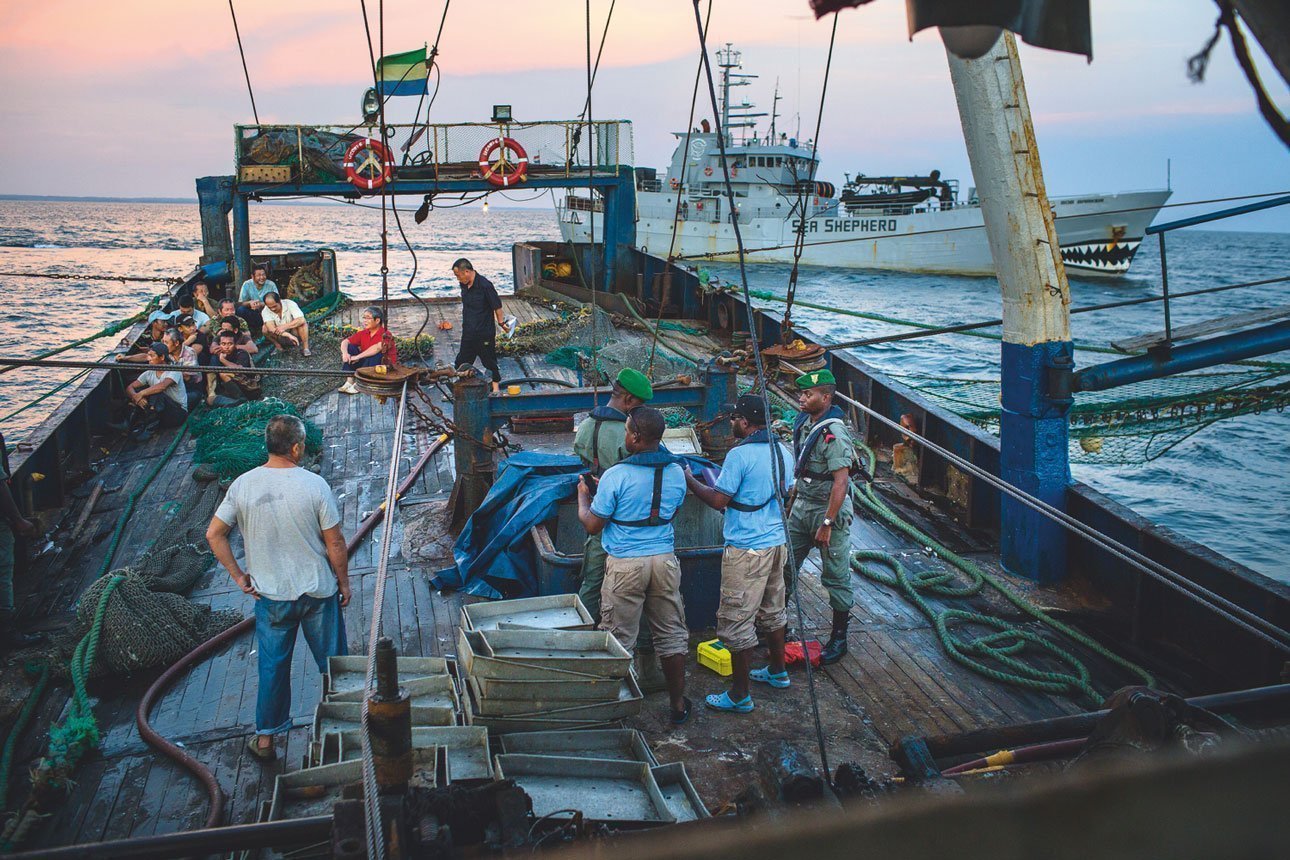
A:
<point x="895" y="681"/>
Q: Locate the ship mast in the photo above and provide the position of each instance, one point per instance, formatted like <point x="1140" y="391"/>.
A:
<point x="727" y="60"/>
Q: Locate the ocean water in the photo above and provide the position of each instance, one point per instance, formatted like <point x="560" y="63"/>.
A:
<point x="1227" y="487"/>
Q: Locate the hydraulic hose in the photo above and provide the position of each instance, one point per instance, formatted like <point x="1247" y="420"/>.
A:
<point x="181" y="757"/>
<point x="537" y="380"/>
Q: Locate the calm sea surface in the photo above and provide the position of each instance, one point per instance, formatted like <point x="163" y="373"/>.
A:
<point x="1227" y="487"/>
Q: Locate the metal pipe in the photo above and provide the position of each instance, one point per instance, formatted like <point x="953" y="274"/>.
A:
<point x="1164" y="291"/>
<point x="1206" y="353"/>
<point x="213" y="840"/>
<point x="1080" y="725"/>
<point x="1215" y="216"/>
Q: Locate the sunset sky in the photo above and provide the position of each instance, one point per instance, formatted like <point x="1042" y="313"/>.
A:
<point x="138" y="97"/>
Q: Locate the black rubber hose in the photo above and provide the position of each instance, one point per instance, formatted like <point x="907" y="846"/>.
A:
<point x="535" y="380"/>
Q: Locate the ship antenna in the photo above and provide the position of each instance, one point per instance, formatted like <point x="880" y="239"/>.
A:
<point x="774" y="111"/>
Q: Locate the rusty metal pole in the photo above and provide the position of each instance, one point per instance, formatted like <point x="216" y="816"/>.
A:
<point x="474" y="462"/>
<point x="389" y="711"/>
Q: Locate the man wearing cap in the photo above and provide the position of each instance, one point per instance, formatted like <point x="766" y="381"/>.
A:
<point x="752" y="565"/>
<point x="820" y="513"/>
<point x="634" y="503"/>
<point x="158" y="394"/>
<point x="601" y="442"/>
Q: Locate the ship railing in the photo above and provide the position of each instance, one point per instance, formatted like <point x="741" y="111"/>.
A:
<point x="316" y="153"/>
<point x="652" y="185"/>
<point x="583" y="204"/>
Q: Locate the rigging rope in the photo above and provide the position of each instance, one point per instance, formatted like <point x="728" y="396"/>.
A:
<point x="245" y="72"/>
<point x="799" y="241"/>
<point x="777" y="476"/>
<point x="591" y="209"/>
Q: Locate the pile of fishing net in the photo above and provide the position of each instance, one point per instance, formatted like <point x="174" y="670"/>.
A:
<point x="574" y="326"/>
<point x="600" y="351"/>
<point x="230" y="441"/>
<point x="146" y="622"/>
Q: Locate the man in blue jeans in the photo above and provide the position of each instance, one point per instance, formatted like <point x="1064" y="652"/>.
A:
<point x="297" y="568"/>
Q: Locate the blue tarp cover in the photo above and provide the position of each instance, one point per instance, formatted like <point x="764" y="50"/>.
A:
<point x="493" y="553"/>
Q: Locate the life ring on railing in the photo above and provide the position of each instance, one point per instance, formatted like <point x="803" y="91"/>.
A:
<point x="511" y="164"/>
<point x="676" y="183"/>
<point x="707" y="171"/>
<point x="368" y="164"/>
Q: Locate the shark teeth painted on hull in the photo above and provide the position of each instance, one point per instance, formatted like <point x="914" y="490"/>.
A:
<point x="1101" y="257"/>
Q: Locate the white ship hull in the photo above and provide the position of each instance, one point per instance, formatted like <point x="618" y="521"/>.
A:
<point x="1098" y="234"/>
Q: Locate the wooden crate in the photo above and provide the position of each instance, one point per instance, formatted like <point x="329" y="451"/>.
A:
<point x="264" y="173"/>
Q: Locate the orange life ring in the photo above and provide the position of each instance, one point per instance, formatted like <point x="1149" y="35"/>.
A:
<point x="376" y="167"/>
<point x="496" y="172"/>
<point x="707" y="171"/>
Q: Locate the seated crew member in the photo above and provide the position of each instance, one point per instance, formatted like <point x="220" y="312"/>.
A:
<point x="284" y="323"/>
<point x="250" y="300"/>
<point x="195" y="339"/>
<point x="244" y="341"/>
<point x="233" y="385"/>
<point x="157" y="395"/>
<point x="752" y="565"/>
<point x="635" y="501"/>
<point x="600" y="442"/>
<point x="203" y="302"/>
<point x="227" y="308"/>
<point x="181" y="355"/>
<point x="371" y="345"/>
<point x="820" y="511"/>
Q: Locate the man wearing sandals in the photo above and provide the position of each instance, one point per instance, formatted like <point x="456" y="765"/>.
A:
<point x="634" y="503"/>
<point x="752" y="565"/>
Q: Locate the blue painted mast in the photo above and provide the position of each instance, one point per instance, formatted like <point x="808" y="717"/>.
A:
<point x="995" y="115"/>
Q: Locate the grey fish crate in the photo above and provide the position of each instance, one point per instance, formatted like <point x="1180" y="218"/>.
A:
<point x="678" y="792"/>
<point x="590" y="652"/>
<point x="466" y="748"/>
<point x="314" y="790"/>
<point x="475" y="660"/>
<point x="553" y="612"/>
<point x="614" y="792"/>
<point x="625" y="702"/>
<point x="435" y="691"/>
<point x="570" y="689"/>
<point x="349" y="674"/>
<point x="616" y="744"/>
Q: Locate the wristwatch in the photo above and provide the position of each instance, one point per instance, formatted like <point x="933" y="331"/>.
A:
<point x="828" y="521"/>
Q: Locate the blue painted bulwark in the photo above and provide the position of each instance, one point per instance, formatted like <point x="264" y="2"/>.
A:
<point x="1180" y="359"/>
<point x="241" y="240"/>
<point x="567" y="401"/>
<point x="1033" y="458"/>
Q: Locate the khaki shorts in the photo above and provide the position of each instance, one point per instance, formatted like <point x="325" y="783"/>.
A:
<point x="651" y="586"/>
<point x="752" y="595"/>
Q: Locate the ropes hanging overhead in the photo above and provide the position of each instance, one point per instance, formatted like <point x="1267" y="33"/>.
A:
<point x="255" y="113"/>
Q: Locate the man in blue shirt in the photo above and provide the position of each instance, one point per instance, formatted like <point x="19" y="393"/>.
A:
<point x="635" y="501"/>
<point x="250" y="301"/>
<point x="752" y="566"/>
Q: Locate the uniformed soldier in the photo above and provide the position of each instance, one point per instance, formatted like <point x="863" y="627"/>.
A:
<point x="634" y="503"/>
<point x="752" y="565"/>
<point x="820" y="512"/>
<point x="600" y="444"/>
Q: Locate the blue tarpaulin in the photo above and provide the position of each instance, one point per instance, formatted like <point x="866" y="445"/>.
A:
<point x="493" y="553"/>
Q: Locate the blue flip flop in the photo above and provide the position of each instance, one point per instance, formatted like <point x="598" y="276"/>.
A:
<point x="764" y="676"/>
<point x="723" y="702"/>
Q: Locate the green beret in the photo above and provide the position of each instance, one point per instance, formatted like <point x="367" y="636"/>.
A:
<point x="636" y="383"/>
<point x="816" y="377"/>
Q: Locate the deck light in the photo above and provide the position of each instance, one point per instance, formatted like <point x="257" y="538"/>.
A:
<point x="501" y="113"/>
<point x="371" y="105"/>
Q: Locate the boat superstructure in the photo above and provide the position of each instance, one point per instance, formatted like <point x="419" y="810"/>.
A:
<point x="912" y="224"/>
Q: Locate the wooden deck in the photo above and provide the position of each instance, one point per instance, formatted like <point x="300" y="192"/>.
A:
<point x="895" y="681"/>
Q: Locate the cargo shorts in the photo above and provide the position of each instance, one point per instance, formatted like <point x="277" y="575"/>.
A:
<point x="649" y="585"/>
<point x="752" y="595"/>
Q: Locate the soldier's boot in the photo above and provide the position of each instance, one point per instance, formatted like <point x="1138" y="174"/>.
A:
<point x="836" y="648"/>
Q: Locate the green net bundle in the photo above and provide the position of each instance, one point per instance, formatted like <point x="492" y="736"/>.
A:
<point x="230" y="441"/>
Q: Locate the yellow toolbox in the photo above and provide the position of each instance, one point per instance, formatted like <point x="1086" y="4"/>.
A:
<point x="715" y="656"/>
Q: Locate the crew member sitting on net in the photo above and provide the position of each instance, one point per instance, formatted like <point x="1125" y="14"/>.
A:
<point x="235" y="325"/>
<point x="182" y="355"/>
<point x="250" y="300"/>
<point x="202" y="301"/>
<point x="227" y="308"/>
<point x="481" y="314"/>
<point x="634" y="503"/>
<point x="600" y="442"/>
<point x="820" y="511"/>
<point x="195" y="339"/>
<point x="284" y="323"/>
<point x="297" y="569"/>
<point x="233" y="385"/>
<point x="370" y="346"/>
<point x="157" y="395"/>
<point x="752" y="565"/>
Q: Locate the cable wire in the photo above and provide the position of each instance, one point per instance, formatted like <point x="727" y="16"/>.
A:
<point x="777" y="475"/>
<point x="255" y="113"/>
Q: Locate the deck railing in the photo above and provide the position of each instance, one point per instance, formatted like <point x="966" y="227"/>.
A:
<point x="316" y="153"/>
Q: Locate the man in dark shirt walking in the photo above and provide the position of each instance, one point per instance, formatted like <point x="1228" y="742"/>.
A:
<point x="481" y="314"/>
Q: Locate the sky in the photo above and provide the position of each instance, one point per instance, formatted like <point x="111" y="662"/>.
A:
<point x="137" y="97"/>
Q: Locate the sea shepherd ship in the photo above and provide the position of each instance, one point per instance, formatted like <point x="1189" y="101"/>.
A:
<point x="901" y="223"/>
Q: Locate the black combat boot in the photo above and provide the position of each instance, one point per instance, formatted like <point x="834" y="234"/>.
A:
<point x="836" y="649"/>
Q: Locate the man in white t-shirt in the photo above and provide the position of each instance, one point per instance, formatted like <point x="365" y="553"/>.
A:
<point x="157" y="395"/>
<point x="284" y="324"/>
<point x="297" y="569"/>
